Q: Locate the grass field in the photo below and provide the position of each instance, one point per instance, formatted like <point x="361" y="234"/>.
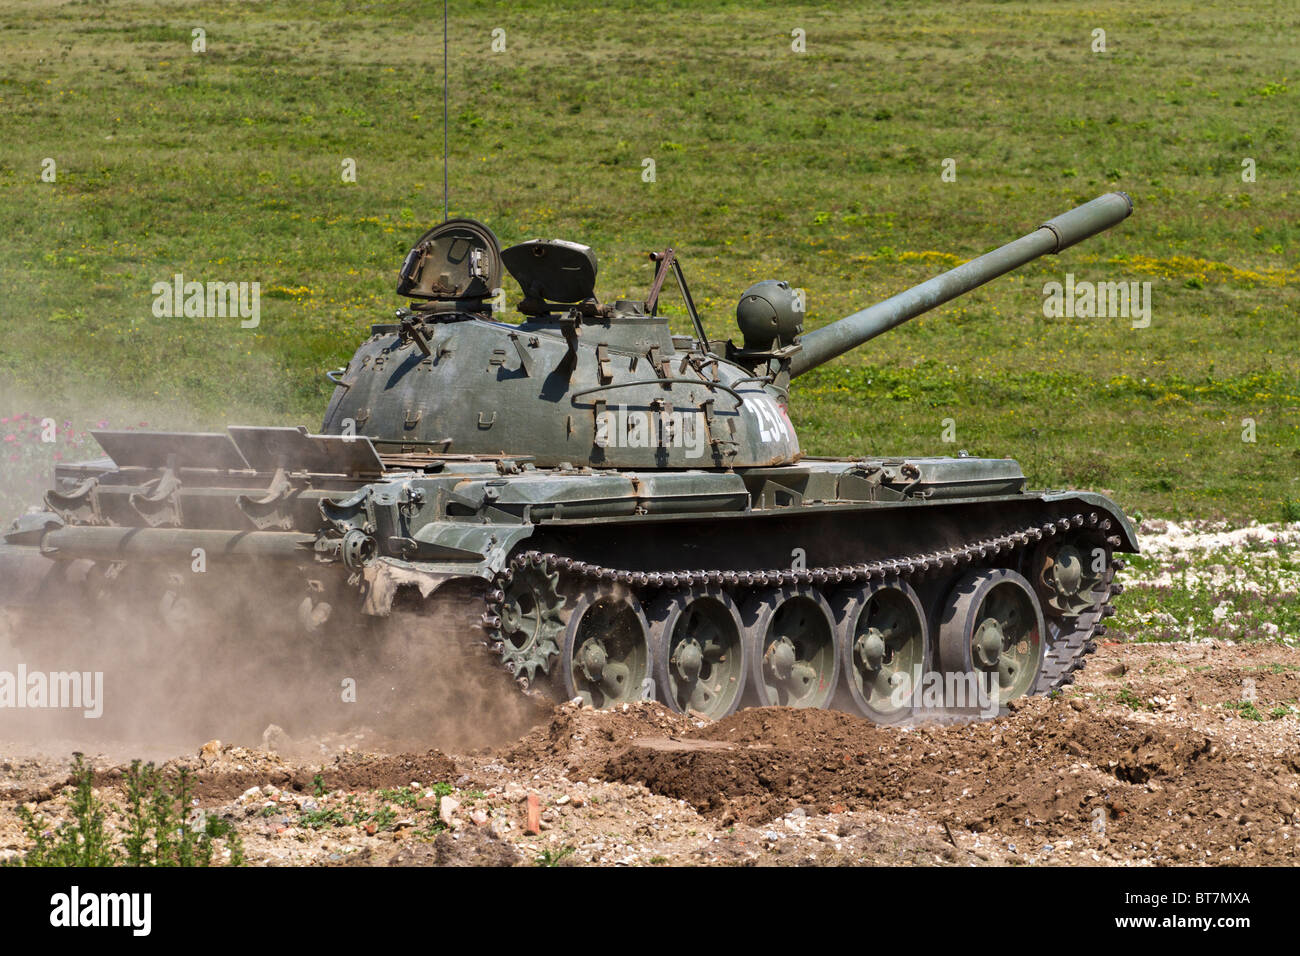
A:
<point x="822" y="167"/>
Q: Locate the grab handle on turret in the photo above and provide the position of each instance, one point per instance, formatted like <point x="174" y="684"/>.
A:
<point x="824" y="344"/>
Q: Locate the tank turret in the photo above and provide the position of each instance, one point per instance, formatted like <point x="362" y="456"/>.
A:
<point x="609" y="385"/>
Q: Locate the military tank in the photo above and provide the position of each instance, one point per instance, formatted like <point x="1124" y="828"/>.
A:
<point x="616" y="509"/>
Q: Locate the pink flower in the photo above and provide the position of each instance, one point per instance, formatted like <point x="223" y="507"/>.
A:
<point x="10" y="438"/>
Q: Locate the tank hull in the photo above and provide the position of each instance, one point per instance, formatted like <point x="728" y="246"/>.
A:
<point x="556" y="560"/>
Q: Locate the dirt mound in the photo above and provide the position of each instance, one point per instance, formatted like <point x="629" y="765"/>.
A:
<point x="1052" y="770"/>
<point x="370" y="772"/>
<point x="579" y="738"/>
<point x="220" y="774"/>
<point x="810" y="727"/>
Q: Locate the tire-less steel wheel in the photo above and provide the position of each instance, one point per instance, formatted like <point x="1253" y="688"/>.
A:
<point x="699" y="652"/>
<point x="531" y="622"/>
<point x="993" y="627"/>
<point x="793" y="658"/>
<point x="605" y="658"/>
<point x="1067" y="574"/>
<point x="884" y="646"/>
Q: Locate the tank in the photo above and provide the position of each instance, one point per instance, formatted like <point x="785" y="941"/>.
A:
<point x="618" y="510"/>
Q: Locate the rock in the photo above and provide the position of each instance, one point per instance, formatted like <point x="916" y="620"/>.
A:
<point x="428" y="801"/>
<point x="565" y="798"/>
<point x="274" y="739"/>
<point x="1078" y="703"/>
<point x="479" y="818"/>
<point x="577" y="799"/>
<point x="210" y="751"/>
<point x="534" y="824"/>
<point x="514" y="793"/>
<point x="447" y="809"/>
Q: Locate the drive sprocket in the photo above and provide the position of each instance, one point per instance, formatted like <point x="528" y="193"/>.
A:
<point x="526" y="623"/>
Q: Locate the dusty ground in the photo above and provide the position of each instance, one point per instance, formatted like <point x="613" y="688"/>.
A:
<point x="1162" y="753"/>
<point x="1149" y="759"/>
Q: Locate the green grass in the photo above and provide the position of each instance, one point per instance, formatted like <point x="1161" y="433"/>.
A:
<point x="1131" y="700"/>
<point x="1243" y="594"/>
<point x="822" y="168"/>
<point x="160" y="826"/>
<point x="550" y="857"/>
<point x="1247" y="710"/>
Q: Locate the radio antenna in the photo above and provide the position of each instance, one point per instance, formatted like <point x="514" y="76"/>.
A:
<point x="445" y="207"/>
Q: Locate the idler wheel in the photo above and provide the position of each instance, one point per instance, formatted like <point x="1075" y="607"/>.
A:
<point x="993" y="627"/>
<point x="605" y="656"/>
<point x="699" y="652"/>
<point x="792" y="654"/>
<point x="1069" y="573"/>
<point x="885" y="644"/>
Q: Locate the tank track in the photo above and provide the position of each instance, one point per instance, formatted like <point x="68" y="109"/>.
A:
<point x="1069" y="640"/>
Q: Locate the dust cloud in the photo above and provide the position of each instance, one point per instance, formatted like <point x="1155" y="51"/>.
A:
<point x="187" y="657"/>
<point x="228" y="657"/>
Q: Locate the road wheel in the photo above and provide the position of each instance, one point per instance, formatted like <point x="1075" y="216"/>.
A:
<point x="605" y="657"/>
<point x="885" y="646"/>
<point x="993" y="627"/>
<point x="793" y="659"/>
<point x="699" y="652"/>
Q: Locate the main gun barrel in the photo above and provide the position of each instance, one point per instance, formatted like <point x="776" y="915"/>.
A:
<point x="826" y="343"/>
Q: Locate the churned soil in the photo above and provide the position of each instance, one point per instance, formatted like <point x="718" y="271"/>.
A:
<point x="1162" y="754"/>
